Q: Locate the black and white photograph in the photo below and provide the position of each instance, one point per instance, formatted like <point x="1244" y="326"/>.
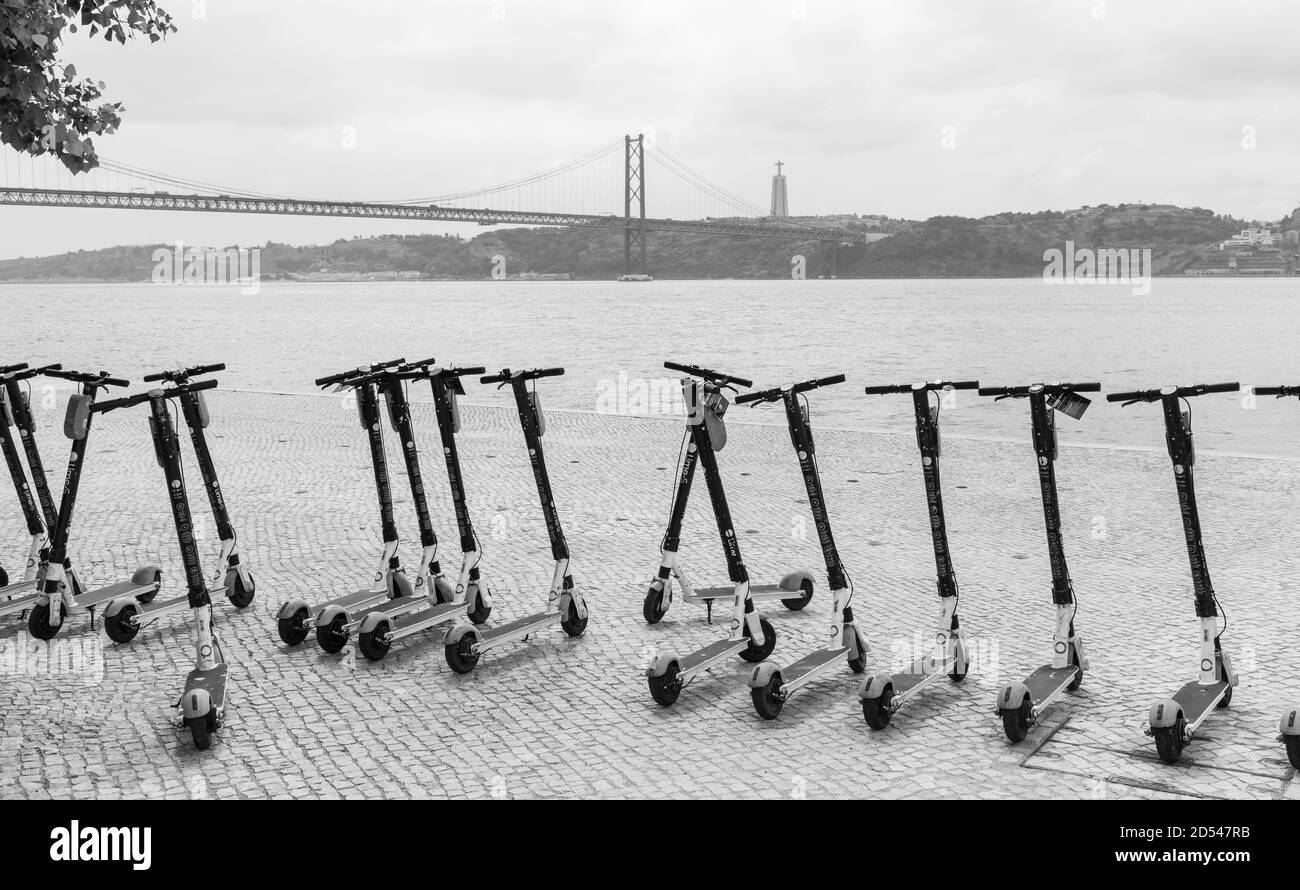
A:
<point x="644" y="400"/>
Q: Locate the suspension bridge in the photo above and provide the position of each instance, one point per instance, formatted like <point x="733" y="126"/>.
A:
<point x="577" y="193"/>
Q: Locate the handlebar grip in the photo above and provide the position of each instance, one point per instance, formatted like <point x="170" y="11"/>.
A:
<point x="493" y="378"/>
<point x="685" y="369"/>
<point x="201" y="385"/>
<point x="7" y="369"/>
<point x="154" y="378"/>
<point x="1085" y="387"/>
<point x="1135" y="396"/>
<point x="962" y="384"/>
<point x="1222" y="387"/>
<point x="750" y="397"/>
<point x="994" y="391"/>
<point x="466" y="372"/>
<point x="421" y="363"/>
<point x="831" y="380"/>
<point x="886" y="390"/>
<point x="1277" y="390"/>
<point x="547" y="372"/>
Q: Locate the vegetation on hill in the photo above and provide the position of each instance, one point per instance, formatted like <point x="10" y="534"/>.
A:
<point x="1001" y="245"/>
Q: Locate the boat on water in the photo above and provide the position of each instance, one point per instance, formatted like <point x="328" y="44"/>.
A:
<point x="637" y="276"/>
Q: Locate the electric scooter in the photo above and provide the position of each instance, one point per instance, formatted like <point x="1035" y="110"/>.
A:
<point x="565" y="605"/>
<point x="883" y="695"/>
<point x="125" y="617"/>
<point x="751" y="636"/>
<point x="16" y="597"/>
<point x="771" y="686"/>
<point x="295" y="618"/>
<point x="1021" y="704"/>
<point x="1173" y="722"/>
<point x="1289" y="726"/>
<point x="385" y="624"/>
<point x="61" y="591"/>
<point x="202" y="704"/>
<point x="660" y="594"/>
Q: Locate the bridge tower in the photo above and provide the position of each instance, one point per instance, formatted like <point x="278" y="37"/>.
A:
<point x="634" y="243"/>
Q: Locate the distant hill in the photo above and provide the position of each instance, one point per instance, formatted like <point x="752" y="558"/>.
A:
<point x="1001" y="245"/>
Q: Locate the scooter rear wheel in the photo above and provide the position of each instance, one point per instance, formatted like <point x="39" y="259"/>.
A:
<point x="120" y="628"/>
<point x="859" y="664"/>
<point x="1015" y="722"/>
<point x="460" y="655"/>
<point x="795" y="604"/>
<point x="293" y="630"/>
<point x="374" y="643"/>
<point x="1293" y="751"/>
<point x="239" y="595"/>
<point x="876" y="710"/>
<point x="333" y="637"/>
<point x="767" y="698"/>
<point x="653" y="609"/>
<point x="1169" y="740"/>
<point x="199" y="732"/>
<point x="1227" y="698"/>
<point x="38" y="621"/>
<point x="4" y="578"/>
<point x="754" y="653"/>
<point x="666" y="688"/>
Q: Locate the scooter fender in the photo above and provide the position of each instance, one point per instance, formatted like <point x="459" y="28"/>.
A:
<point x="196" y="703"/>
<point x="1164" y="714"/>
<point x="568" y="597"/>
<point x="327" y="615"/>
<point x="444" y="590"/>
<point x="289" y="609"/>
<point x="1012" y="696"/>
<point x="794" y="580"/>
<point x="118" y="604"/>
<point x="762" y="674"/>
<point x="459" y="632"/>
<point x="147" y="575"/>
<point x="661" y="663"/>
<point x="874" y="686"/>
<point x="1290" y="724"/>
<point x="370" y="622"/>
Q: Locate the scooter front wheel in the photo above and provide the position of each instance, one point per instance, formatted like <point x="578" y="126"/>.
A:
<point x="666" y="688"/>
<point x="1169" y="740"/>
<point x="120" y="628"/>
<point x="653" y="609"/>
<point x="767" y="698"/>
<point x="237" y="593"/>
<point x="1227" y="698"/>
<point x="1293" y="751"/>
<point x="479" y="608"/>
<point x="4" y="578"/>
<point x="574" y="625"/>
<point x="1015" y="722"/>
<point x="876" y="711"/>
<point x="293" y="630"/>
<point x="757" y="653"/>
<point x="38" y="621"/>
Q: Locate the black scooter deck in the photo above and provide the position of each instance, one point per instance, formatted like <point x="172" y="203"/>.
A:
<point x="811" y="662"/>
<point x="711" y="652"/>
<point x="347" y="602"/>
<point x="1198" y="700"/>
<point x="913" y="678"/>
<point x="434" y="613"/>
<point x="542" y="620"/>
<point x="1047" y="681"/>
<point x="719" y="593"/>
<point x="112" y="592"/>
<point x="213" y="680"/>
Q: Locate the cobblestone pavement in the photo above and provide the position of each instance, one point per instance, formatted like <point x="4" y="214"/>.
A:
<point x="556" y="717"/>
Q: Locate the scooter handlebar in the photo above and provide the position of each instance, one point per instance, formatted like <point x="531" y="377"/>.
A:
<point x="909" y="387"/>
<point x="771" y="395"/>
<point x="1178" y="392"/>
<point x="183" y="374"/>
<point x="708" y="374"/>
<point x="507" y="375"/>
<point x="1048" y="388"/>
<point x="7" y="369"/>
<point x="100" y="379"/>
<point x="141" y="397"/>
<point x="358" y="372"/>
<point x="14" y="373"/>
<point x="1280" y="391"/>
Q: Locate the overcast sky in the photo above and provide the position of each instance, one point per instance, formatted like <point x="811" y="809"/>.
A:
<point x="900" y="107"/>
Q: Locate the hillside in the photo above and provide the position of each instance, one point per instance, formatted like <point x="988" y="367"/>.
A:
<point x="1001" y="245"/>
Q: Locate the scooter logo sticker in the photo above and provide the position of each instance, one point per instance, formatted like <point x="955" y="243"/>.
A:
<point x="176" y="485"/>
<point x="1060" y="648"/>
<point x="1207" y="665"/>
